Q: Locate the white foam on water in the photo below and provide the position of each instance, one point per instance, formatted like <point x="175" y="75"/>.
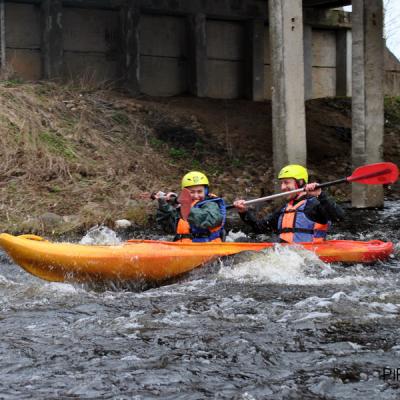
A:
<point x="233" y="236"/>
<point x="292" y="266"/>
<point x="100" y="235"/>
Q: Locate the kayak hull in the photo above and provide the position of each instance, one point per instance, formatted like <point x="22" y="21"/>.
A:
<point x="150" y="260"/>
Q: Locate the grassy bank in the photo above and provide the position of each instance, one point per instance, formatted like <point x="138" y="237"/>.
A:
<point x="73" y="157"/>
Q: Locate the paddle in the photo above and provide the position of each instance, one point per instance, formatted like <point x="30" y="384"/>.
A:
<point x="185" y="200"/>
<point x="383" y="173"/>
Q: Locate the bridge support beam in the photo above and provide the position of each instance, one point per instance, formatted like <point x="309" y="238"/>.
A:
<point x="198" y="82"/>
<point x="131" y="52"/>
<point x="367" y="95"/>
<point x="287" y="63"/>
<point x="52" y="39"/>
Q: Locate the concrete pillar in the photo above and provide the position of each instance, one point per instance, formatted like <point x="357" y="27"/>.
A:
<point x="255" y="60"/>
<point x="308" y="61"/>
<point x="52" y="39"/>
<point x="343" y="62"/>
<point x="287" y="65"/>
<point x="367" y="100"/>
<point x="131" y="52"/>
<point x="198" y="81"/>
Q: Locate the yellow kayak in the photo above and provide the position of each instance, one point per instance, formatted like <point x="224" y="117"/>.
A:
<point x="151" y="260"/>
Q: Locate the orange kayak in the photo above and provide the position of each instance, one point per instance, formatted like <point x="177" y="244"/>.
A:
<point x="151" y="260"/>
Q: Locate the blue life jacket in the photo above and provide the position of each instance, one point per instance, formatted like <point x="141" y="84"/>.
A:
<point x="297" y="227"/>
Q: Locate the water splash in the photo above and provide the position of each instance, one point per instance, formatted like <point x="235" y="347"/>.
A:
<point x="281" y="264"/>
<point x="100" y="235"/>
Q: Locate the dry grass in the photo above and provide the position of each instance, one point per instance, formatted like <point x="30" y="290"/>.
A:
<point x="64" y="148"/>
<point x="85" y="152"/>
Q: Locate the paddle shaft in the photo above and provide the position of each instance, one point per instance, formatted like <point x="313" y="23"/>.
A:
<point x="320" y="186"/>
<point x="277" y="195"/>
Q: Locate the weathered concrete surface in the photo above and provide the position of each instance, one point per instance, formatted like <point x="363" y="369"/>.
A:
<point x="79" y="66"/>
<point x="367" y="100"/>
<point x="153" y="73"/>
<point x="225" y="79"/>
<point x="327" y="19"/>
<point x="308" y="61"/>
<point x="230" y="69"/>
<point x="88" y="30"/>
<point x="255" y="60"/>
<point x="229" y="9"/>
<point x="95" y="55"/>
<point x="22" y="40"/>
<point x="392" y="74"/>
<point x="267" y="65"/>
<point x="22" y="26"/>
<point x="225" y="52"/>
<point x="288" y="111"/>
<point x="130" y="57"/>
<point x="198" y="79"/>
<point x="25" y="63"/>
<point x="324" y="63"/>
<point x="52" y="39"/>
<point x="164" y="55"/>
<point x="343" y="79"/>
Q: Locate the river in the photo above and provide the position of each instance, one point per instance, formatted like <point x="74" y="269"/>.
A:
<point x="276" y="325"/>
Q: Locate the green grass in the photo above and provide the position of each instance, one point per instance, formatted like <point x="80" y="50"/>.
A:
<point x="392" y="110"/>
<point x="57" y="144"/>
<point x="120" y="118"/>
<point x="12" y="82"/>
<point x="177" y="154"/>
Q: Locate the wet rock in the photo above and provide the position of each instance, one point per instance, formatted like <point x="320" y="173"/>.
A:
<point x="50" y="220"/>
<point x="122" y="224"/>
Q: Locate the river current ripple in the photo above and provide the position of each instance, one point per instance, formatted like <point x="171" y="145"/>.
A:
<point x="276" y="325"/>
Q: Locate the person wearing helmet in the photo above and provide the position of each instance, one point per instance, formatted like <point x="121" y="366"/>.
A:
<point x="204" y="219"/>
<point x="307" y="215"/>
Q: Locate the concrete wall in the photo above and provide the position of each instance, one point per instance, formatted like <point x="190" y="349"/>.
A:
<point x="163" y="55"/>
<point x="267" y="65"/>
<point x="23" y="37"/>
<point x="225" y="59"/>
<point x="94" y="56"/>
<point x="392" y="74"/>
<point x="93" y="42"/>
<point x="323" y="63"/>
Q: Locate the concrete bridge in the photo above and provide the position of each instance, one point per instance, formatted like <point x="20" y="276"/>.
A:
<point x="287" y="51"/>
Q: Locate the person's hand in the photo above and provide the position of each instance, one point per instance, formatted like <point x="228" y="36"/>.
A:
<point x="311" y="190"/>
<point x="240" y="205"/>
<point x="158" y="195"/>
<point x="171" y="196"/>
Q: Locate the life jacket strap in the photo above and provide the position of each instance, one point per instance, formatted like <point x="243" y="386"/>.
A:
<point x="293" y="230"/>
<point x="181" y="236"/>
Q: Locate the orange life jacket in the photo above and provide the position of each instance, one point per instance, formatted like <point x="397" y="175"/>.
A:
<point x="294" y="226"/>
<point x="184" y="232"/>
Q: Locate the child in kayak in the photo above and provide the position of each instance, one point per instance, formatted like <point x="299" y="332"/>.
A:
<point x="198" y="216"/>
<point x="305" y="218"/>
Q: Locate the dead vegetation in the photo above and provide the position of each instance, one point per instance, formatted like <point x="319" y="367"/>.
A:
<point x="84" y="153"/>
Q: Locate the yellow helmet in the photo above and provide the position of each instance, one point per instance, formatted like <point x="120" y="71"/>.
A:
<point x="194" y="178"/>
<point x="294" y="171"/>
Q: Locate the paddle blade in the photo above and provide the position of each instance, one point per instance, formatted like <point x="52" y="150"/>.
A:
<point x="383" y="173"/>
<point x="185" y="200"/>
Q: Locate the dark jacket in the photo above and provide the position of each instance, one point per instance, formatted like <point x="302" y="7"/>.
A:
<point x="206" y="216"/>
<point x="322" y="211"/>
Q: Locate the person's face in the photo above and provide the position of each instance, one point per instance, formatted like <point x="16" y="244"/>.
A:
<point x="198" y="192"/>
<point x="287" y="185"/>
